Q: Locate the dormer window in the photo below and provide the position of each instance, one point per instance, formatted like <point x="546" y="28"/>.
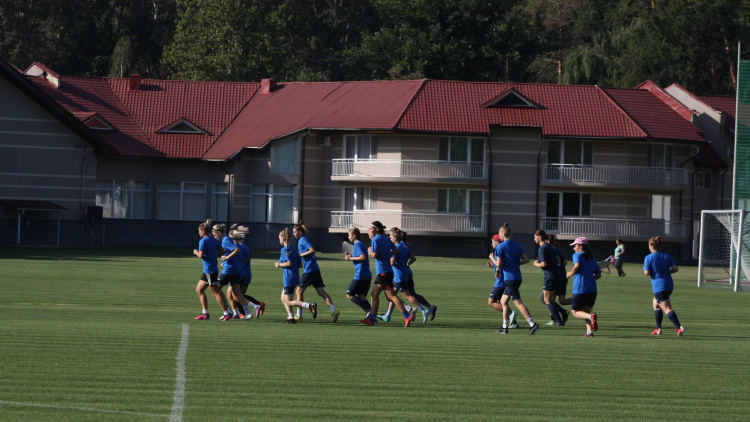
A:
<point x="184" y="127"/>
<point x="97" y="123"/>
<point x="511" y="98"/>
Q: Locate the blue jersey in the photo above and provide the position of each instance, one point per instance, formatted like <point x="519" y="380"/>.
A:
<point x="584" y="281"/>
<point x="658" y="264"/>
<point x="361" y="268"/>
<point x="499" y="279"/>
<point x="383" y="247"/>
<point x="401" y="271"/>
<point x="309" y="262"/>
<point x="228" y="244"/>
<point x="547" y="255"/>
<point x="233" y="265"/>
<point x="562" y="274"/>
<point x="291" y="274"/>
<point x="210" y="248"/>
<point x="246" y="273"/>
<point x="510" y="252"/>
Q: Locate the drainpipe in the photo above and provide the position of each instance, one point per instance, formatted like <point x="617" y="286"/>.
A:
<point x="723" y="176"/>
<point x="301" y="199"/>
<point x="489" y="178"/>
<point x="230" y="191"/>
<point x="83" y="189"/>
<point x="538" y="182"/>
<point x="692" y="194"/>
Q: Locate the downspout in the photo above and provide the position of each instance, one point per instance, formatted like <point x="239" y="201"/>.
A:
<point x="301" y="199"/>
<point x="230" y="191"/>
<point x="538" y="181"/>
<point x="723" y="177"/>
<point x="83" y="189"/>
<point x="692" y="194"/>
<point x="489" y="179"/>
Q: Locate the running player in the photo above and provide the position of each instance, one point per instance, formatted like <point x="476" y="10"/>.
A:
<point x="360" y="284"/>
<point x="660" y="266"/>
<point x="585" y="272"/>
<point x="208" y="253"/>
<point x="311" y="272"/>
<point x="381" y="251"/>
<point x="547" y="262"/>
<point x="290" y="262"/>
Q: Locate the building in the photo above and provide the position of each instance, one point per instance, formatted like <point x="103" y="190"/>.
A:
<point x="447" y="161"/>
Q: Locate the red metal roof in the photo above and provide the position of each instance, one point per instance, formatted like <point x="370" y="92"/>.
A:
<point x="236" y="116"/>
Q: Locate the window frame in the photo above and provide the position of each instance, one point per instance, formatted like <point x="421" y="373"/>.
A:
<point x="270" y="197"/>
<point x="182" y="193"/>
<point x="276" y="153"/>
<point x="586" y="156"/>
<point x="130" y="193"/>
<point x="444" y="195"/>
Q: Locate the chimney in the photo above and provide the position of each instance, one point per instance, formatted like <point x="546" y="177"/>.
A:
<point x="267" y="86"/>
<point x="135" y="82"/>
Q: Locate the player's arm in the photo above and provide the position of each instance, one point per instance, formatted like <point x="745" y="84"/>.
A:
<point x="231" y="254"/>
<point x="524" y="259"/>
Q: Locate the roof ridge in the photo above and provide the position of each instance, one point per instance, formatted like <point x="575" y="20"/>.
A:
<point x="406" y="108"/>
<point x="622" y="110"/>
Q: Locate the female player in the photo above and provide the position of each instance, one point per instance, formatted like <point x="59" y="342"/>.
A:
<point x="619" y="257"/>
<point x="547" y="262"/>
<point x="498" y="288"/>
<point x="509" y="257"/>
<point x="232" y="273"/>
<point x="585" y="272"/>
<point x="660" y="266"/>
<point x="360" y="284"/>
<point x="311" y="272"/>
<point x="241" y="256"/>
<point x="290" y="262"/>
<point x="381" y="251"/>
<point x="208" y="252"/>
<point x="247" y="275"/>
<point x="403" y="278"/>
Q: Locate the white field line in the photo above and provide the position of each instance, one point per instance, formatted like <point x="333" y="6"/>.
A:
<point x="88" y="409"/>
<point x="179" y="388"/>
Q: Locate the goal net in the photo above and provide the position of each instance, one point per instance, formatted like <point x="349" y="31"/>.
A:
<point x="724" y="256"/>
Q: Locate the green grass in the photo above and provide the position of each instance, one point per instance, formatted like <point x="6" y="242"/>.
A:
<point x="93" y="335"/>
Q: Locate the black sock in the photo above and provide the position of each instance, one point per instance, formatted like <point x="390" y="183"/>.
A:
<point x="364" y="304"/>
<point x="552" y="306"/>
<point x="673" y="317"/>
<point x="659" y="315"/>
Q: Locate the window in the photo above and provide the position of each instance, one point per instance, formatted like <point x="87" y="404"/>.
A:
<point x="220" y="202"/>
<point x="181" y="201"/>
<point x="360" y="199"/>
<point x="183" y="127"/>
<point x="460" y="149"/>
<point x="285" y="157"/>
<point x="568" y="204"/>
<point x="361" y="147"/>
<point x="123" y="198"/>
<point x="569" y="152"/>
<point x="703" y="180"/>
<point x="661" y="207"/>
<point x="660" y="156"/>
<point x="460" y="201"/>
<point x="272" y="204"/>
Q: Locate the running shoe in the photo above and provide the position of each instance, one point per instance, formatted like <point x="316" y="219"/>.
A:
<point x="512" y="317"/>
<point x="656" y="332"/>
<point x="297" y="318"/>
<point x="594" y="325"/>
<point x="425" y="315"/>
<point x="226" y="317"/>
<point x="533" y="329"/>
<point x="559" y="324"/>
<point x="407" y="321"/>
<point x="680" y="331"/>
<point x="314" y="310"/>
<point x="258" y="311"/>
<point x="202" y="316"/>
<point x="433" y="311"/>
<point x="335" y="316"/>
<point x="262" y="307"/>
<point x="589" y="335"/>
<point x="384" y="318"/>
<point x="513" y="326"/>
<point x="565" y="315"/>
<point x="550" y="323"/>
<point x="291" y="321"/>
<point x="242" y="316"/>
<point x="502" y="331"/>
<point x="367" y="321"/>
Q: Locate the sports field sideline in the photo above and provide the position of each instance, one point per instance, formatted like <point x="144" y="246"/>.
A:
<point x="109" y="335"/>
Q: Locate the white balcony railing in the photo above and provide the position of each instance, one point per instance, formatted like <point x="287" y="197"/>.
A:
<point x="615" y="174"/>
<point x="408" y="168"/>
<point x="583" y="226"/>
<point x="408" y="221"/>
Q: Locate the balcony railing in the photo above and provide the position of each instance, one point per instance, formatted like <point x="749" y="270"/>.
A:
<point x="408" y="168"/>
<point x="615" y="174"/>
<point x="583" y="226"/>
<point x="409" y="221"/>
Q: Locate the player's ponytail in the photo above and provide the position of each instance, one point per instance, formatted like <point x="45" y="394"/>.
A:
<point x="655" y="242"/>
<point x="505" y="231"/>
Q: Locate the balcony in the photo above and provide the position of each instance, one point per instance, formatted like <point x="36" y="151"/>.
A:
<point x="412" y="170"/>
<point x="413" y="223"/>
<point x="632" y="176"/>
<point x="610" y="228"/>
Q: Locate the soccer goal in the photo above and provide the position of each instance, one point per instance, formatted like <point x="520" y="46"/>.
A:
<point x="724" y="254"/>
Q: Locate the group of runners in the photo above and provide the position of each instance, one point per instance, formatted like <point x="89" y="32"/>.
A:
<point x="393" y="275"/>
<point x="508" y="256"/>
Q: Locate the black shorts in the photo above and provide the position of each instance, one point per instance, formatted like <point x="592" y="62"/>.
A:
<point x="511" y="289"/>
<point x="582" y="300"/>
<point x="662" y="296"/>
<point x="497" y="293"/>
<point x="231" y="280"/>
<point x="562" y="286"/>
<point x="550" y="285"/>
<point x="311" y="279"/>
<point x="288" y="290"/>
<point x="405" y="286"/>
<point x="211" y="279"/>
<point x="359" y="287"/>
<point x="385" y="280"/>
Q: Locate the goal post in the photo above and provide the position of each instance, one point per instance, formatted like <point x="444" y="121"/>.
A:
<point x="724" y="257"/>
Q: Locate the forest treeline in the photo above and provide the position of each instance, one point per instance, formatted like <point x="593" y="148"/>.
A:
<point x="616" y="43"/>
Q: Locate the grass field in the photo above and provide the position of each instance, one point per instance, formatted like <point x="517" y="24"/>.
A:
<point x="99" y="335"/>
